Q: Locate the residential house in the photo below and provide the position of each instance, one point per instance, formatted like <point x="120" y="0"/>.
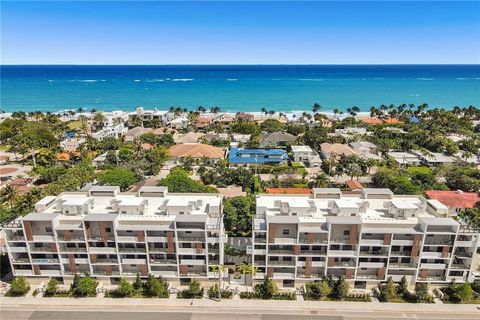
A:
<point x="241" y="156"/>
<point x="306" y="155"/>
<point x="276" y="139"/>
<point x="335" y="151"/>
<point x="71" y="144"/>
<point x="456" y="201"/>
<point x="189" y="137"/>
<point x="434" y="158"/>
<point x="404" y="158"/>
<point x="366" y="150"/>
<point x="134" y="134"/>
<point x="196" y="151"/>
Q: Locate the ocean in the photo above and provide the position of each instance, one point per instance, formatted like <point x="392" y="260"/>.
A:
<point x="281" y="88"/>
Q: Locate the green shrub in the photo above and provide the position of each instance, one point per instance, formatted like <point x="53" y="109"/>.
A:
<point x="267" y="289"/>
<point x="154" y="287"/>
<point x="52" y="288"/>
<point x="213" y="293"/>
<point x="249" y="295"/>
<point x="285" y="296"/>
<point x="84" y="286"/>
<point x="317" y="290"/>
<point x="358" y="297"/>
<point x="124" y="289"/>
<point x="19" y="288"/>
<point x="195" y="291"/>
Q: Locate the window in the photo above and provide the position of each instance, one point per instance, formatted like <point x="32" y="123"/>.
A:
<point x="108" y="230"/>
<point x="346" y="232"/>
<point x="129" y="231"/>
<point x="286" y="232"/>
<point x="181" y="212"/>
<point x="48" y="229"/>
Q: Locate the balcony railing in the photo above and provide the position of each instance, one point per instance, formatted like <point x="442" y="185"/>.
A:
<point x="438" y="241"/>
<point x="374" y="253"/>
<point x="344" y="264"/>
<point x="277" y="251"/>
<point x="63" y="238"/>
<point x="402" y="265"/>
<point x="163" y="261"/>
<point x="401" y="253"/>
<point x="45" y="260"/>
<point x="459" y="266"/>
<point x="142" y="250"/>
<point x="281" y="263"/>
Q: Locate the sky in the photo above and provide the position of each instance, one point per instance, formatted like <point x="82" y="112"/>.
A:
<point x="240" y="32"/>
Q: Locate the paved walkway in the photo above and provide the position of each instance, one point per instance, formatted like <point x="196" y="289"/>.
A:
<point x="239" y="304"/>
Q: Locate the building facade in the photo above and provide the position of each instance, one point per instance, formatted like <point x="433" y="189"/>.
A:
<point x="111" y="234"/>
<point x="365" y="238"/>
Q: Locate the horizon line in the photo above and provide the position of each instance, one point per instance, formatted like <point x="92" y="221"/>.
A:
<point x="247" y="64"/>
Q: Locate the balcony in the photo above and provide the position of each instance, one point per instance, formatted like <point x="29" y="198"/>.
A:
<point x="431" y="254"/>
<point x="71" y="239"/>
<point x="439" y="242"/>
<point x="128" y="239"/>
<point x="433" y="266"/>
<point x="131" y="250"/>
<point x="44" y="261"/>
<point x="463" y="254"/>
<point x="313" y="252"/>
<point x="373" y="242"/>
<point x="43" y="238"/>
<point x="106" y="261"/>
<point x="314" y="263"/>
<point x="283" y="275"/>
<point x="191" y="239"/>
<point x="156" y="239"/>
<point x="50" y="272"/>
<point x="41" y="249"/>
<point x="21" y="272"/>
<point x="17" y="249"/>
<point x="402" y="242"/>
<point x="163" y="261"/>
<point x="73" y="249"/>
<point x="344" y="264"/>
<point x="190" y="251"/>
<point x="313" y="241"/>
<point x="374" y="253"/>
<point x="341" y="241"/>
<point x="367" y="276"/>
<point x="310" y="276"/>
<point x="459" y="266"/>
<point x="95" y="238"/>
<point x="281" y="252"/>
<point x="466" y="244"/>
<point x="375" y="265"/>
<point x="21" y="260"/>
<point x="281" y="263"/>
<point x="101" y="250"/>
<point x="76" y="260"/>
<point x="401" y="253"/>
<point x="16" y="238"/>
<point x="285" y="240"/>
<point x="193" y="262"/>
<point x="164" y="273"/>
<point x="342" y="253"/>
<point x="134" y="261"/>
<point x="402" y="265"/>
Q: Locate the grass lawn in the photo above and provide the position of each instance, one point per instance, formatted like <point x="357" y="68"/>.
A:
<point x="421" y="170"/>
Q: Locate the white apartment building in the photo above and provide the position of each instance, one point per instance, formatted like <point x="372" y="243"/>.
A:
<point x="111" y="234"/>
<point x="365" y="238"/>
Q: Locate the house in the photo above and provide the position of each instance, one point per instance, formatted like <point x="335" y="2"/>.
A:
<point x="456" y="201"/>
<point x="306" y="155"/>
<point x="368" y="120"/>
<point x="354" y="185"/>
<point x="335" y="151"/>
<point x="276" y="139"/>
<point x="100" y="160"/>
<point x="196" y="151"/>
<point x="148" y="115"/>
<point x="244" y="116"/>
<point x="178" y="123"/>
<point x="225" y="119"/>
<point x="133" y="134"/>
<point x="203" y="122"/>
<point x="189" y="137"/>
<point x="434" y="158"/>
<point x="241" y="138"/>
<point x="22" y="185"/>
<point x="350" y="132"/>
<point x="115" y="131"/>
<point x="366" y="150"/>
<point x="256" y="156"/>
<point x="405" y="158"/>
<point x="71" y="144"/>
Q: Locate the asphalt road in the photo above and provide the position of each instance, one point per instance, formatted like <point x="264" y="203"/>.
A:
<point x="218" y="314"/>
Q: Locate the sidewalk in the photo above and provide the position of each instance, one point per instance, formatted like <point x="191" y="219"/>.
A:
<point x="238" y="304"/>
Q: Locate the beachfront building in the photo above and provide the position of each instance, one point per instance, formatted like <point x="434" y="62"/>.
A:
<point x="306" y="155"/>
<point x="241" y="156"/>
<point x="111" y="235"/>
<point x="162" y="117"/>
<point x="366" y="237"/>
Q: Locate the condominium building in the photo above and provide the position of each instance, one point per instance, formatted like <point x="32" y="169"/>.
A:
<point x="111" y="234"/>
<point x="364" y="237"/>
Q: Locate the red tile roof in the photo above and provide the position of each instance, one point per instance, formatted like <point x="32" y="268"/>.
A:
<point x="455" y="199"/>
<point x="354" y="185"/>
<point x="288" y="191"/>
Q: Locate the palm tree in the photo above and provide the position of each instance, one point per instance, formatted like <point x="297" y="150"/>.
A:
<point x="264" y="110"/>
<point x="320" y="181"/>
<point x="8" y="195"/>
<point x="316" y="107"/>
<point x="220" y="269"/>
<point x="245" y="269"/>
<point x="99" y="118"/>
